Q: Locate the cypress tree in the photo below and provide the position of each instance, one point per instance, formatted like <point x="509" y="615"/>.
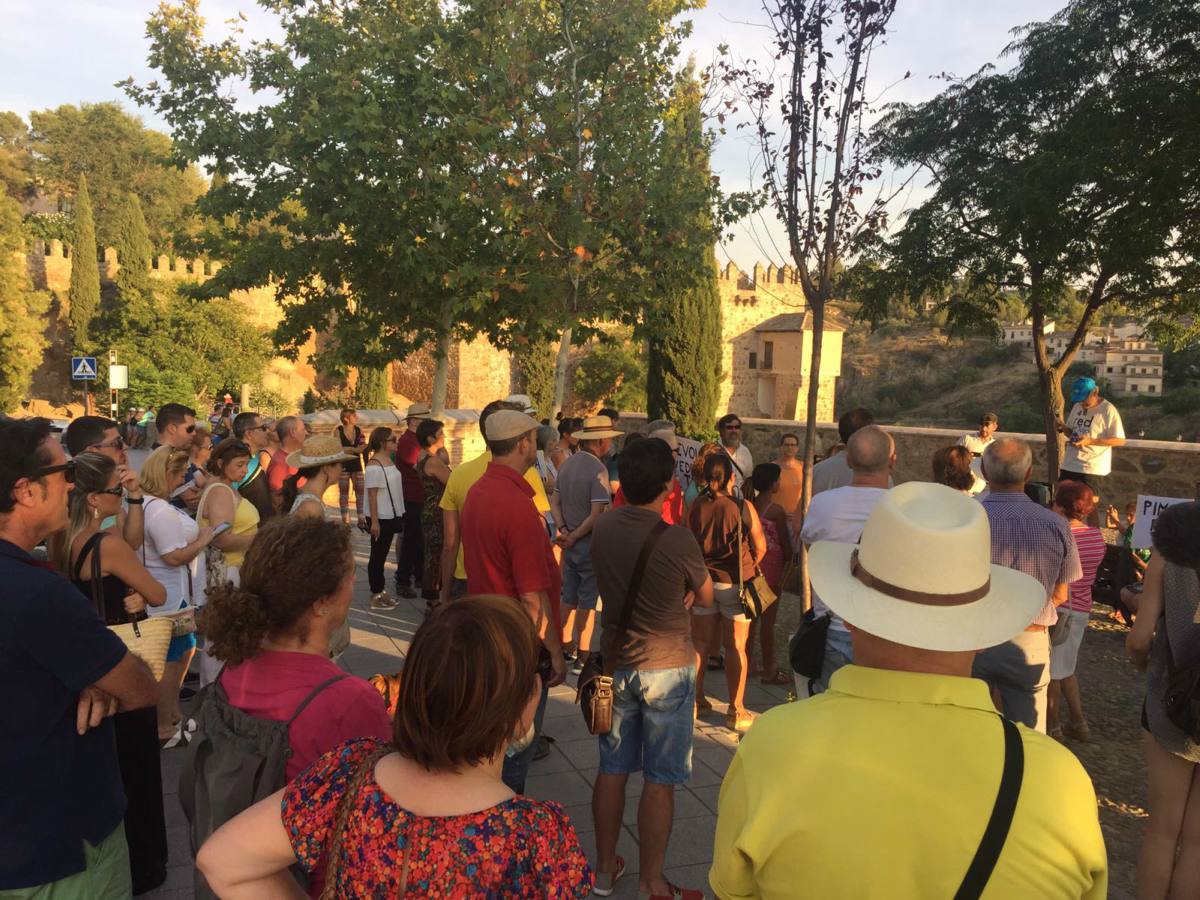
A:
<point x="84" y="293"/>
<point x="683" y="378"/>
<point x="133" y="252"/>
<point x="371" y="391"/>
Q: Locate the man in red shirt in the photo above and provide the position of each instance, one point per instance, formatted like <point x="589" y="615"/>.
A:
<point x="507" y="550"/>
<point x="291" y="431"/>
<point x="410" y="566"/>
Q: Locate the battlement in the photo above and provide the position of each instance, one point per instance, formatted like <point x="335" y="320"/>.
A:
<point x="50" y="266"/>
<point x="759" y="276"/>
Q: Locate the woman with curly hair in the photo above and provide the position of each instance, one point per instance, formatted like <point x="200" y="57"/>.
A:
<point x="952" y="467"/>
<point x="1166" y="637"/>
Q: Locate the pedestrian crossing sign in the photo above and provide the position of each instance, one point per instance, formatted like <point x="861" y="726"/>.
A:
<point x="83" y="368"/>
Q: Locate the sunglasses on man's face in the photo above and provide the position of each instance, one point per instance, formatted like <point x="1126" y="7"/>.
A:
<point x="67" y="469"/>
<point x="191" y="429"/>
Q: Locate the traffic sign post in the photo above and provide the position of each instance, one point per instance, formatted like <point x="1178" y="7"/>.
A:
<point x="118" y="380"/>
<point x="83" y="368"/>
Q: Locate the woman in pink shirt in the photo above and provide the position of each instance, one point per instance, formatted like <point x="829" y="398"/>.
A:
<point x="1075" y="501"/>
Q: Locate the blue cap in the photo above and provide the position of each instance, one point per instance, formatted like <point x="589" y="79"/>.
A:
<point x="1082" y="389"/>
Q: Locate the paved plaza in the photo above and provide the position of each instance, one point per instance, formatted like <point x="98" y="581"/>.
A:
<point x="380" y="641"/>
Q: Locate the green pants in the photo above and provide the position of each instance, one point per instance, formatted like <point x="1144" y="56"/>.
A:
<point x="105" y="878"/>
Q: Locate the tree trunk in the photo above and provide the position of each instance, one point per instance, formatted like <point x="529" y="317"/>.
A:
<point x="817" y="307"/>
<point x="441" y="374"/>
<point x="560" y="371"/>
<point x="1053" y="408"/>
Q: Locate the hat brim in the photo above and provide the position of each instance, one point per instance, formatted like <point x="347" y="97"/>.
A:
<point x="297" y="460"/>
<point x="595" y="435"/>
<point x="1014" y="601"/>
<point x="1079" y="397"/>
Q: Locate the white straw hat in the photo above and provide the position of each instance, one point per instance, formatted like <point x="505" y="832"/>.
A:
<point x="318" y="450"/>
<point x="922" y="576"/>
<point x="596" y="428"/>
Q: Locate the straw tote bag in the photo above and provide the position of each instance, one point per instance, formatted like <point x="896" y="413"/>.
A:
<point x="147" y="640"/>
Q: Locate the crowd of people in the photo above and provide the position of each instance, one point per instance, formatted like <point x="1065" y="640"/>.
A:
<point x="946" y="623"/>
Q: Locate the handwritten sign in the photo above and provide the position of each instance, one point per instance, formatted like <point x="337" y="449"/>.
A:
<point x="1148" y="509"/>
<point x="688" y="451"/>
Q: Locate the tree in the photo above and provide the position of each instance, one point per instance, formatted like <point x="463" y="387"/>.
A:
<point x="16" y="159"/>
<point x="371" y="391"/>
<point x="535" y="368"/>
<point x="21" y="312"/>
<point x="133" y="258"/>
<point x="683" y="326"/>
<point x="119" y="155"/>
<point x="613" y="373"/>
<point x="84" y="292"/>
<point x="1071" y="182"/>
<point x="817" y="170"/>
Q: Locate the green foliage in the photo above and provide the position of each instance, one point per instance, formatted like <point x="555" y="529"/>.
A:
<point x="119" y="155"/>
<point x="51" y="227"/>
<point x="1182" y="401"/>
<point x="16" y="159"/>
<point x="308" y="403"/>
<point x="613" y="374"/>
<point x="371" y="392"/>
<point x="21" y="312"/>
<point x="133" y="256"/>
<point x="84" y="293"/>
<point x="182" y="349"/>
<point x="272" y="403"/>
<point x="535" y="366"/>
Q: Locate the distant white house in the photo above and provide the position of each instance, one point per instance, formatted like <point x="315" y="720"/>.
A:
<point x="1022" y="332"/>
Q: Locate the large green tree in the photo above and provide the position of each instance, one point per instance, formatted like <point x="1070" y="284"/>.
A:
<point x="132" y="243"/>
<point x="84" y="292"/>
<point x="682" y="318"/>
<point x="1071" y="181"/>
<point x="119" y="155"/>
<point x="16" y="158"/>
<point x="22" y="312"/>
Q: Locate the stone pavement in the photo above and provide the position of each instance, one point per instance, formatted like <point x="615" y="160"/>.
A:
<point x="380" y="641"/>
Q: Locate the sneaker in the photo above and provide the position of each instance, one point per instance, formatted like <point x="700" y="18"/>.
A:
<point x="542" y="750"/>
<point x="382" y="601"/>
<point x="1078" y="730"/>
<point x="606" y="882"/>
<point x="409" y="593"/>
<point x="739" y="720"/>
<point x="674" y="892"/>
<point x="577" y="665"/>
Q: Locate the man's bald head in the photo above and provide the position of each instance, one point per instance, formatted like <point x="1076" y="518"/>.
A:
<point x="1007" y="462"/>
<point x="870" y="450"/>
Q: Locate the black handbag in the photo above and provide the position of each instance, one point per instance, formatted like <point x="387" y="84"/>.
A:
<point x="595" y="693"/>
<point x="806" y="649"/>
<point x="755" y="595"/>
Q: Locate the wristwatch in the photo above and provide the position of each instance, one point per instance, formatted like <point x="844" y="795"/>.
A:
<point x="134" y="501"/>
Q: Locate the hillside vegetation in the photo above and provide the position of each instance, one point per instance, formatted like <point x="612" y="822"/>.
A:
<point x="914" y="375"/>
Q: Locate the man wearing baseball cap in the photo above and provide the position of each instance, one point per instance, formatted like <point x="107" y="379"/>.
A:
<point x="1093" y="428"/>
<point x="913" y="785"/>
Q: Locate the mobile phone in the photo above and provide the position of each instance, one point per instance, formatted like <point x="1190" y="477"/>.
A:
<point x="221" y="529"/>
<point x="183" y="489"/>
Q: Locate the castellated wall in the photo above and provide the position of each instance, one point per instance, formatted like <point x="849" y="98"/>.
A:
<point x="748" y="300"/>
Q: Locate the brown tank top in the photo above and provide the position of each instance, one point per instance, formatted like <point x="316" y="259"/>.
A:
<point x="715" y="521"/>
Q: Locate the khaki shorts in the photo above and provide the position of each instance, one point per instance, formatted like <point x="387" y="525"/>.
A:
<point x="726" y="602"/>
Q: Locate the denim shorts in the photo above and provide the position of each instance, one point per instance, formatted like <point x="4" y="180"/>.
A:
<point x="653" y="715"/>
<point x="179" y="646"/>
<point x="579" y="590"/>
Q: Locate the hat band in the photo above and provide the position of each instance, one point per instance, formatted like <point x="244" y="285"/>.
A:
<point x="910" y="596"/>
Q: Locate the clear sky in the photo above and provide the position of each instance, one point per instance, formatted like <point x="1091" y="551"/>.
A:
<point x="73" y="51"/>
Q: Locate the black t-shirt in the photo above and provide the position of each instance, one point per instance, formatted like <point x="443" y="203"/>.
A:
<point x="57" y="789"/>
<point x="354" y="439"/>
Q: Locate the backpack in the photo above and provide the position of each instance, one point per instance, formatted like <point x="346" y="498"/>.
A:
<point x="233" y="761"/>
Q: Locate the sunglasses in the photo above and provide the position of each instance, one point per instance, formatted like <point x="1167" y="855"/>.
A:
<point x="114" y="491"/>
<point x="67" y="468"/>
<point x="114" y="444"/>
<point x="545" y="669"/>
<point x="191" y="429"/>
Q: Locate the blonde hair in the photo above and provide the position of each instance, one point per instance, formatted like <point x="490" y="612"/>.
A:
<point x="158" y="467"/>
<point x="92" y="473"/>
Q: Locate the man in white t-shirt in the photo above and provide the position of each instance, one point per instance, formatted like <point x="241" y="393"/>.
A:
<point x="977" y="441"/>
<point x="1093" y="428"/>
<point x="839" y="515"/>
<point x="729" y="427"/>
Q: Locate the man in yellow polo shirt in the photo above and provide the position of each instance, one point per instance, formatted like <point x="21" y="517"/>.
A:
<point x="902" y="781"/>
<point x="455" y="495"/>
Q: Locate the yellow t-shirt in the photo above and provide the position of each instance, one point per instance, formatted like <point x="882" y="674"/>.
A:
<point x="882" y="787"/>
<point x="461" y="480"/>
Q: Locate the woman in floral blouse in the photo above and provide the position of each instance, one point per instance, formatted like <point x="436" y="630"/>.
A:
<point x="426" y="816"/>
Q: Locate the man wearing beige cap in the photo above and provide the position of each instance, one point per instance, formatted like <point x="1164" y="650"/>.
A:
<point x="410" y="564"/>
<point x="912" y="785"/>
<point x="581" y="493"/>
<point x="507" y="550"/>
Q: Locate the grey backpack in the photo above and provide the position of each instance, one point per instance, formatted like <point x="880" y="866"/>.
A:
<point x="233" y="761"/>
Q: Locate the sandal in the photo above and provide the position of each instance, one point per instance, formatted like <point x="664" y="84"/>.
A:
<point x="780" y="677"/>
<point x="739" y="720"/>
<point x="703" y="707"/>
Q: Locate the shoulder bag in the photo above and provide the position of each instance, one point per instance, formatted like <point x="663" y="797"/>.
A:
<point x="595" y="693"/>
<point x="1181" y="699"/>
<point x="333" y="852"/>
<point x="183" y="621"/>
<point x="806" y="649"/>
<point x="755" y="595"/>
<point x="216" y="566"/>
<point x="148" y="640"/>
<point x="996" y="832"/>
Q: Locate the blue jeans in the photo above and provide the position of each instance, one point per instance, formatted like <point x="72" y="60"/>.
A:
<point x="516" y="768"/>
<point x="653" y="716"/>
<point x="838" y="652"/>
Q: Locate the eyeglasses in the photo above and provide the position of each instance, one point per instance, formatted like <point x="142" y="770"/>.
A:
<point x="114" y="444"/>
<point x="114" y="491"/>
<point x="67" y="468"/>
<point x="259" y="428"/>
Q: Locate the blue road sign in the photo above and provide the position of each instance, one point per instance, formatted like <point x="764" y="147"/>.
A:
<point x="83" y="368"/>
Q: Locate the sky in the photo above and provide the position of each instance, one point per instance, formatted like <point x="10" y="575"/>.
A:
<point x="74" y="51"/>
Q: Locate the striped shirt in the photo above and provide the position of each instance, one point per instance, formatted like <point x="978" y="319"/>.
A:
<point x="1090" y="543"/>
<point x="1032" y="539"/>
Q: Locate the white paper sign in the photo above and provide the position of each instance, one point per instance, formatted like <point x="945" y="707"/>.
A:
<point x="1148" y="508"/>
<point x="688" y="451"/>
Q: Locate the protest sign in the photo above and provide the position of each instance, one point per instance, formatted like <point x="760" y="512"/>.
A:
<point x="1148" y="508"/>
